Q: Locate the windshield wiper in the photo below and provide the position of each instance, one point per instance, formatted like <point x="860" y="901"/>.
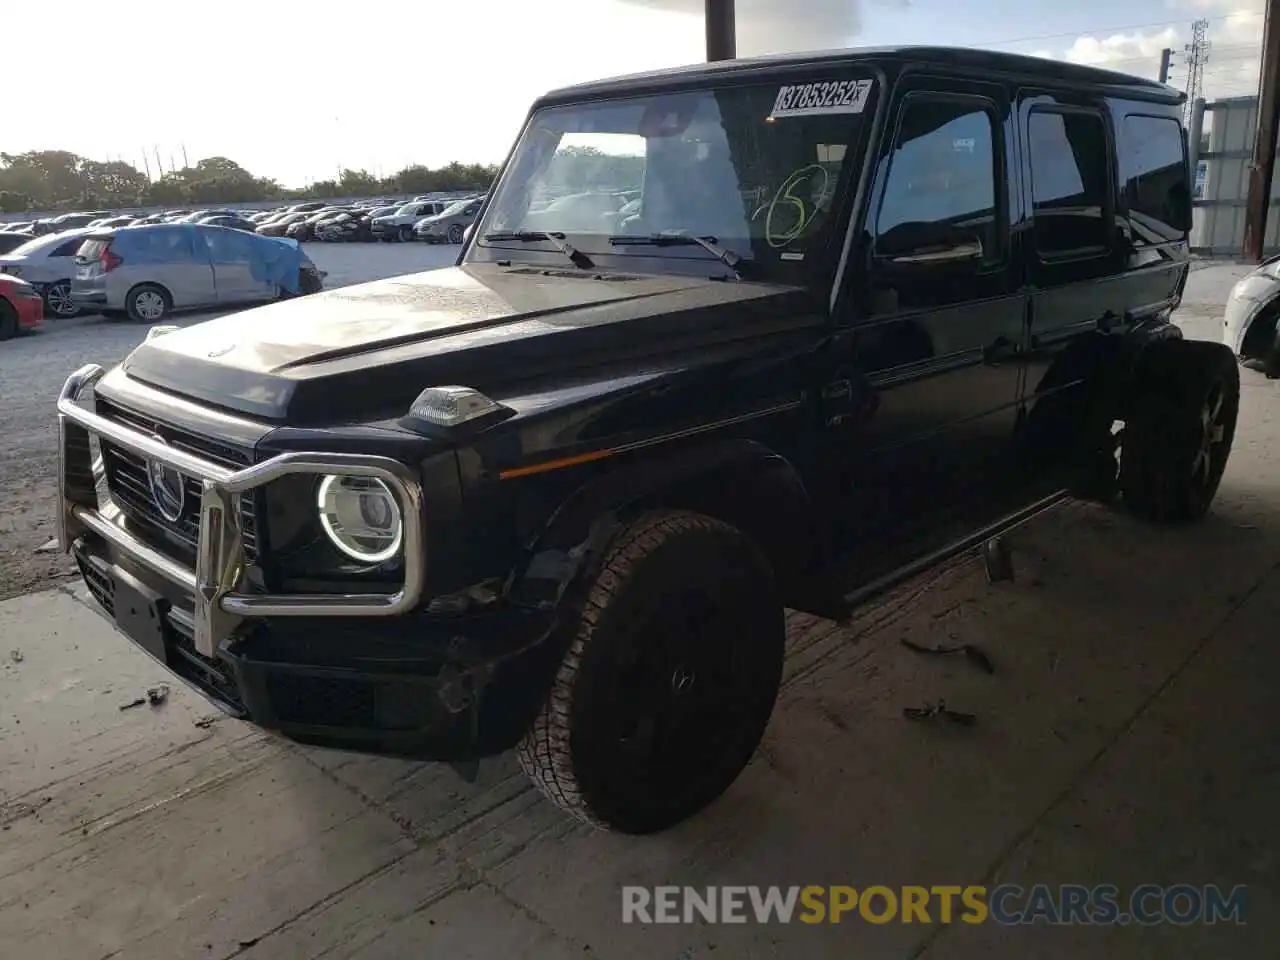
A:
<point x="671" y="238"/>
<point x="557" y="240"/>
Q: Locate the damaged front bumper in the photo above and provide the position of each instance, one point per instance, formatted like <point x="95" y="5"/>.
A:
<point x="371" y="672"/>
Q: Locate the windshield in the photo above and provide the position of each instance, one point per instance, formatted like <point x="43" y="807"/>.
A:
<point x="758" y="168"/>
<point x="455" y="208"/>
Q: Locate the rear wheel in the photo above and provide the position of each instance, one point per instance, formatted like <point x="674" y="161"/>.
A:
<point x="455" y="233"/>
<point x="1179" y="429"/>
<point x="670" y="679"/>
<point x="406" y="234"/>
<point x="148" y="303"/>
<point x="58" y="302"/>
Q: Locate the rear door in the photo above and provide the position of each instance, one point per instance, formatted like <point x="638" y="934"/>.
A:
<point x="1076" y="258"/>
<point x="173" y="257"/>
<point x="935" y="340"/>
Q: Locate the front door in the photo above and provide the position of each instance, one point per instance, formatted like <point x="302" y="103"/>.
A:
<point x="935" y="316"/>
<point x="233" y="255"/>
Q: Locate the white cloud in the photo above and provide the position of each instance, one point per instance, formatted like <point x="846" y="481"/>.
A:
<point x="1234" y="33"/>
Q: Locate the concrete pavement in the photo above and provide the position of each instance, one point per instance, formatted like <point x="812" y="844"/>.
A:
<point x="1127" y="736"/>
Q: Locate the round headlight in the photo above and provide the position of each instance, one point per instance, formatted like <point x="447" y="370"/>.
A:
<point x="361" y="517"/>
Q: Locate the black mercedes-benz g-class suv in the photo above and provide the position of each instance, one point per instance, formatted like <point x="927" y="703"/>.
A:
<point x="724" y="340"/>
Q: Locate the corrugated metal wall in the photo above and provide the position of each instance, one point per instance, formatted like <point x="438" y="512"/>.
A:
<point x="1219" y="215"/>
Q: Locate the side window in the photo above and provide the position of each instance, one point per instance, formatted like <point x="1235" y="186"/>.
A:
<point x="67" y="249"/>
<point x="942" y="178"/>
<point x="1154" y="166"/>
<point x="1070" y="183"/>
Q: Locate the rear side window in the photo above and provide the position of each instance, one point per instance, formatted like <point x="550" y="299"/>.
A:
<point x="1154" y="166"/>
<point x="1070" y="182"/>
<point x="67" y="249"/>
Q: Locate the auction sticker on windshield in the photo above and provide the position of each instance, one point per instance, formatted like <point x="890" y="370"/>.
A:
<point x="829" y="96"/>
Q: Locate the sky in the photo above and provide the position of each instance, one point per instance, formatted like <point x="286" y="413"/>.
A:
<point x="295" y="90"/>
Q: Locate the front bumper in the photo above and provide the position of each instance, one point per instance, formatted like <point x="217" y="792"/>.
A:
<point x="220" y="560"/>
<point x="371" y="672"/>
<point x="30" y="312"/>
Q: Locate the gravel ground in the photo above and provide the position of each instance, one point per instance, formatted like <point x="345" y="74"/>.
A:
<point x="33" y="368"/>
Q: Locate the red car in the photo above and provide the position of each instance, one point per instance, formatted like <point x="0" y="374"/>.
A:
<point x="21" y="307"/>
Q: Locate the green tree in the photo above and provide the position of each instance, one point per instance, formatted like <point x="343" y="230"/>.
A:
<point x="13" y="202"/>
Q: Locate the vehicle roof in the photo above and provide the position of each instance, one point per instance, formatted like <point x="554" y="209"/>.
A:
<point x="964" y="57"/>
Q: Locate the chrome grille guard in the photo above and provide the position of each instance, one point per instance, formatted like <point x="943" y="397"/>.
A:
<point x="220" y="562"/>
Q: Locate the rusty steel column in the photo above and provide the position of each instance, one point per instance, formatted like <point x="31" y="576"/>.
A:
<point x="722" y="39"/>
<point x="1264" y="145"/>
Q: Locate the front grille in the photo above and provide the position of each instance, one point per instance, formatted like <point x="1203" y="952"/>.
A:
<point x="129" y="487"/>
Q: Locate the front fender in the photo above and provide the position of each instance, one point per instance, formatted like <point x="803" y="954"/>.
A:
<point x="742" y="482"/>
<point x="1251" y="298"/>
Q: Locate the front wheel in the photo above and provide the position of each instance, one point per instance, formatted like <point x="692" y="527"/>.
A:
<point x="669" y="681"/>
<point x="8" y="321"/>
<point x="455" y="233"/>
<point x="406" y="234"/>
<point x="1179" y="429"/>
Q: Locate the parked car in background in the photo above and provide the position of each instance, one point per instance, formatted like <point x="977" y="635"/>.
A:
<point x="309" y="206"/>
<point x="67" y="221"/>
<point x="48" y="264"/>
<point x="10" y="240"/>
<point x="234" y="223"/>
<point x="21" y="307"/>
<point x="449" y="225"/>
<point x="276" y="228"/>
<point x="119" y="221"/>
<point x="399" y="225"/>
<point x="147" y="272"/>
<point x="345" y="228"/>
<point x="20" y="226"/>
<point x="305" y="229"/>
<point x="1251" y="321"/>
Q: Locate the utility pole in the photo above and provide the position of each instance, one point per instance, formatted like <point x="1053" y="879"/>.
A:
<point x="1264" y="143"/>
<point x="722" y="30"/>
<point x="1165" y="55"/>
<point x="1197" y="53"/>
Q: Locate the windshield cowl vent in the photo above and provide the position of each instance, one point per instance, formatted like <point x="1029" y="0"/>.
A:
<point x="574" y="274"/>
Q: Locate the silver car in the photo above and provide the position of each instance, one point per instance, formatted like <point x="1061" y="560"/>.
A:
<point x="145" y="272"/>
<point x="48" y="264"/>
<point x="450" y="224"/>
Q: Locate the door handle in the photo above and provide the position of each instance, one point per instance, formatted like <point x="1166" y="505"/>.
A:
<point x="1002" y="348"/>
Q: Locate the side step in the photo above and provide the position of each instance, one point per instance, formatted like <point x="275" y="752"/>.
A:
<point x="970" y="542"/>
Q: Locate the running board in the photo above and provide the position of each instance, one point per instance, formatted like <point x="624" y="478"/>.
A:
<point x="972" y="541"/>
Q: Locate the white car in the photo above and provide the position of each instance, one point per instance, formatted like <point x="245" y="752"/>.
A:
<point x="48" y="264"/>
<point x="1253" y="309"/>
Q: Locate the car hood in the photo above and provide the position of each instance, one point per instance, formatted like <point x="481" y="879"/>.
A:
<point x="364" y="352"/>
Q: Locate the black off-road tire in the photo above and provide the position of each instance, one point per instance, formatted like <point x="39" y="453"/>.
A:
<point x="1179" y="429"/>
<point x="585" y="749"/>
<point x="8" y="321"/>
